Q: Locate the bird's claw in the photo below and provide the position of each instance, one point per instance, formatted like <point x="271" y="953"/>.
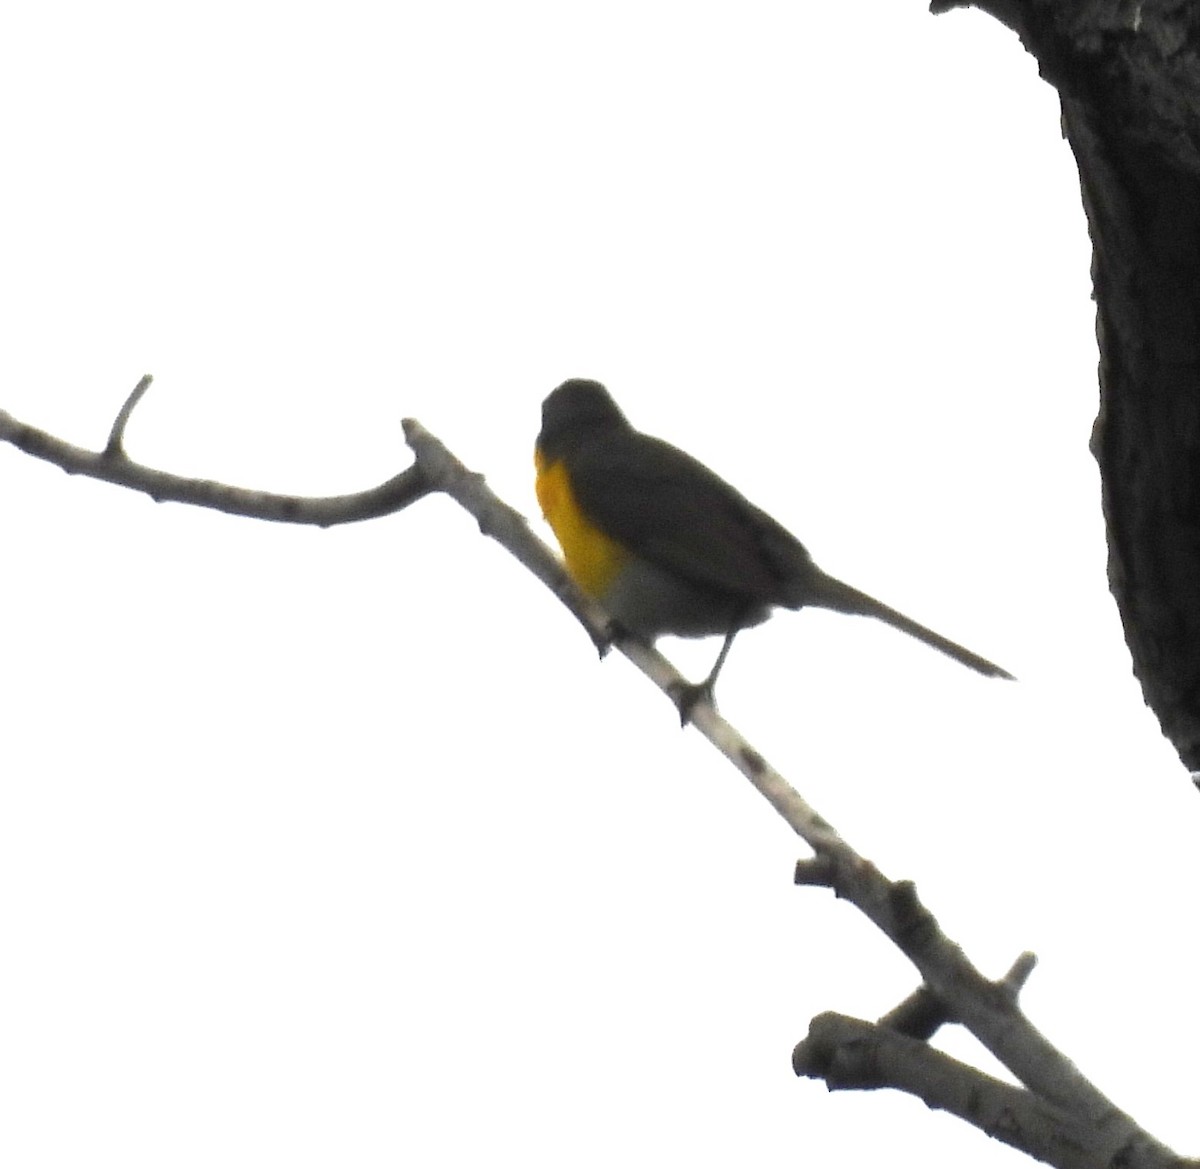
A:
<point x="604" y="639"/>
<point x="688" y="695"/>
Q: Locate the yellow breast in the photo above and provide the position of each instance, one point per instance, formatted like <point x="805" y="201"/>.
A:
<point x="592" y="558"/>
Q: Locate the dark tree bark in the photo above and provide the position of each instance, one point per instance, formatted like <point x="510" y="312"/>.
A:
<point x="1128" y="74"/>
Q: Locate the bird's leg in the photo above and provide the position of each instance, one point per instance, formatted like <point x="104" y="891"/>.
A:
<point x="687" y="694"/>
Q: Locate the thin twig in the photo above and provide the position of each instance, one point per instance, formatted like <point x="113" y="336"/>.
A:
<point x="115" y="447"/>
<point x="1018" y="975"/>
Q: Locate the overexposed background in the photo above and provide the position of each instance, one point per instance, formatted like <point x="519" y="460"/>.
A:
<point x="340" y="848"/>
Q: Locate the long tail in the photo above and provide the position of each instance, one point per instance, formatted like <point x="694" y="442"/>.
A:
<point x="828" y="592"/>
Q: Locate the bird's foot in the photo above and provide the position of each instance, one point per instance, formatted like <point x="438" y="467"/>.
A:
<point x="612" y="633"/>
<point x="688" y="695"/>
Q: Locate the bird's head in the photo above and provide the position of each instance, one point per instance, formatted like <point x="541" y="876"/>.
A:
<point x="579" y="409"/>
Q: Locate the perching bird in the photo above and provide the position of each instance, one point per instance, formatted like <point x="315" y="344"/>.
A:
<point x="666" y="546"/>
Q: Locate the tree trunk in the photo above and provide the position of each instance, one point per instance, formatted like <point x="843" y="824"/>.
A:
<point x="1128" y="74"/>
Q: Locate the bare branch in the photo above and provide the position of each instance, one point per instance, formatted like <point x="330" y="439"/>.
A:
<point x="988" y="1009"/>
<point x="851" y="1053"/>
<point x="444" y="472"/>
<point x="496" y="519"/>
<point x="953" y="990"/>
<point x="112" y="466"/>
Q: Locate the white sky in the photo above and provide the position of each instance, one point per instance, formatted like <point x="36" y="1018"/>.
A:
<point x="339" y="848"/>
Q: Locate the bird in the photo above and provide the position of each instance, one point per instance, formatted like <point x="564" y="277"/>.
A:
<point x="666" y="546"/>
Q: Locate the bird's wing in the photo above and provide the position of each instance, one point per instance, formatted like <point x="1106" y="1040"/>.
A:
<point x="670" y="509"/>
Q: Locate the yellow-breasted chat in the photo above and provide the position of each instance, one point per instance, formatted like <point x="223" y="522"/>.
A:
<point x="668" y="547"/>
